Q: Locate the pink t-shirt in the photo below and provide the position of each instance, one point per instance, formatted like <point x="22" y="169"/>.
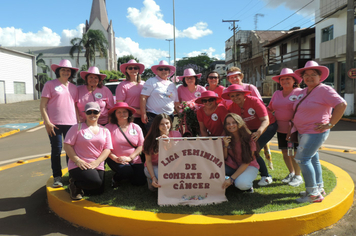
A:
<point x="130" y="93"/>
<point x="248" y="87"/>
<point x="102" y="96"/>
<point x="215" y="122"/>
<point x="283" y="108"/>
<point x="316" y="108"/>
<point x="218" y="90"/>
<point x="185" y="95"/>
<point x="61" y="102"/>
<point x="238" y="154"/>
<point x="87" y="145"/>
<point x="120" y="145"/>
<point x="252" y="110"/>
<point x="154" y="157"/>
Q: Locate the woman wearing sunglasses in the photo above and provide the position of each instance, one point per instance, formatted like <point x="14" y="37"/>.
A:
<point x="159" y="95"/>
<point x="190" y="89"/>
<point x="94" y="91"/>
<point x="211" y="115"/>
<point x="129" y="91"/>
<point x="213" y="79"/>
<point x="88" y="145"/>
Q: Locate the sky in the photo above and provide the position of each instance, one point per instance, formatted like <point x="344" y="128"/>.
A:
<point x="142" y="27"/>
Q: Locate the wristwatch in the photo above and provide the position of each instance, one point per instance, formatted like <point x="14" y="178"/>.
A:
<point x="330" y="125"/>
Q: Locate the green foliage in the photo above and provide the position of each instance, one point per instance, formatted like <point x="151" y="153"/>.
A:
<point x="125" y="59"/>
<point x="112" y="75"/>
<point x="147" y="73"/>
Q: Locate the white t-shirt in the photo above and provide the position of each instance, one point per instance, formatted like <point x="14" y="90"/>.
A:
<point x="162" y="94"/>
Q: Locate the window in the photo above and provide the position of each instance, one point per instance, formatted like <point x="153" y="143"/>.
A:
<point x="327" y="33"/>
<point x="283" y="49"/>
<point x="19" y="88"/>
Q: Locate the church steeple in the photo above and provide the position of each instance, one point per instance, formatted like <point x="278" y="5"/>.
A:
<point x="98" y="10"/>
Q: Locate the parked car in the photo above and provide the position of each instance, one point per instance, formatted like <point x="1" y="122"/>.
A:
<point x="112" y="86"/>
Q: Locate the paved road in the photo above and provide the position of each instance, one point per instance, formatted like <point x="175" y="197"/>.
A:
<point x="23" y="206"/>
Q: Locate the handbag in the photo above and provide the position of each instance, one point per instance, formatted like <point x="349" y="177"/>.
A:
<point x="126" y="137"/>
<point x="293" y="137"/>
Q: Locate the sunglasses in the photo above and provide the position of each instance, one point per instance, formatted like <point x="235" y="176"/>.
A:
<point x="208" y="100"/>
<point x="162" y="69"/>
<point x="212" y="77"/>
<point x="91" y="112"/>
<point x="132" y="68"/>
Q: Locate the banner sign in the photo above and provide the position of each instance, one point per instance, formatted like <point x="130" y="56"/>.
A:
<point x="191" y="172"/>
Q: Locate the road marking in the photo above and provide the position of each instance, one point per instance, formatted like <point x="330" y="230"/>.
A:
<point x="35" y="129"/>
<point x="25" y="158"/>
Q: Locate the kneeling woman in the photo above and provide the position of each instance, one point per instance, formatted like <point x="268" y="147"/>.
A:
<point x="87" y="146"/>
<point x="127" y="139"/>
<point x="161" y="128"/>
<point x="239" y="154"/>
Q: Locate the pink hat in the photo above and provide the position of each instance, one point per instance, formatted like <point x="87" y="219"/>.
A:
<point x="92" y="70"/>
<point x="132" y="62"/>
<point x="312" y="65"/>
<point x="163" y="63"/>
<point x="208" y="94"/>
<point x="65" y="64"/>
<point x="189" y="72"/>
<point x="124" y="105"/>
<point x="287" y="72"/>
<point x="235" y="88"/>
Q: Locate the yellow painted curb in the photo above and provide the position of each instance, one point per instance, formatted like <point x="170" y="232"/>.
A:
<point x="118" y="221"/>
<point x="9" y="133"/>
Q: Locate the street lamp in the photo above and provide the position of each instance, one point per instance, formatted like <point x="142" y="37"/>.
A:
<point x="169" y="46"/>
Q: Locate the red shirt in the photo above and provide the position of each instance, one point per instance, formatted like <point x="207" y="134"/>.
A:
<point x="218" y="90"/>
<point x="214" y="122"/>
<point x="252" y="110"/>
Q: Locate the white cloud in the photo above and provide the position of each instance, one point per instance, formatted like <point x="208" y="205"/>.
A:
<point x="10" y="36"/>
<point x="148" y="57"/>
<point x="294" y="5"/>
<point x="69" y="34"/>
<point x="210" y="52"/>
<point x="149" y="23"/>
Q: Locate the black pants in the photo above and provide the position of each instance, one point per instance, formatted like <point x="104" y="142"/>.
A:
<point x="133" y="172"/>
<point x="91" y="181"/>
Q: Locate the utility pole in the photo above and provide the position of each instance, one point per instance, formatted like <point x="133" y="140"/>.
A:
<point x="350" y="83"/>
<point x="234" y="44"/>
<point x="169" y="46"/>
<point x="174" y="42"/>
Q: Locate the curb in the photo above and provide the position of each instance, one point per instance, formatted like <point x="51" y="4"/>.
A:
<point x="114" y="220"/>
<point x="15" y="131"/>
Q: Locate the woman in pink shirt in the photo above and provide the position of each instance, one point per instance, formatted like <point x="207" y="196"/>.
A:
<point x="213" y="79"/>
<point x="94" y="91"/>
<point x="261" y="122"/>
<point x="313" y="119"/>
<point x="88" y="145"/>
<point x="161" y="127"/>
<point x="239" y="153"/>
<point x="211" y="115"/>
<point x="127" y="140"/>
<point x="129" y="91"/>
<point x="281" y="104"/>
<point x="190" y="90"/>
<point x="58" y="112"/>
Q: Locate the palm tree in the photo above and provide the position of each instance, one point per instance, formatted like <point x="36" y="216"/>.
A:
<point x="93" y="41"/>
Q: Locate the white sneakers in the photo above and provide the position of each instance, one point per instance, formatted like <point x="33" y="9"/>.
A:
<point x="57" y="182"/>
<point x="296" y="181"/>
<point x="288" y="178"/>
<point x="265" y="180"/>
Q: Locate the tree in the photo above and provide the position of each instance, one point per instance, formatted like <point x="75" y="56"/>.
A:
<point x="125" y="59"/>
<point x="43" y="77"/>
<point x="93" y="42"/>
<point x="147" y="73"/>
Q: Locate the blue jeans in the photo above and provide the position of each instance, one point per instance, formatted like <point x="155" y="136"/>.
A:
<point x="307" y="157"/>
<point x="56" y="148"/>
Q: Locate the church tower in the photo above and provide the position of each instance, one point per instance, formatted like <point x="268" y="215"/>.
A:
<point x="99" y="21"/>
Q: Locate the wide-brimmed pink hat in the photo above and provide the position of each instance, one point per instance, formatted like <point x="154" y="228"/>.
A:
<point x="122" y="105"/>
<point x="65" y="64"/>
<point x="235" y="88"/>
<point x="163" y="63"/>
<point x="189" y="72"/>
<point x="92" y="70"/>
<point x="208" y="94"/>
<point x="287" y="72"/>
<point x="313" y="65"/>
<point x="132" y="62"/>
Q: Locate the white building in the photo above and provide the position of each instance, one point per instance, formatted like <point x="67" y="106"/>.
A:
<point x="17" y="82"/>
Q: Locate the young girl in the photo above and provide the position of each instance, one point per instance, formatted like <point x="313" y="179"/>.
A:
<point x="239" y="153"/>
<point x="161" y="128"/>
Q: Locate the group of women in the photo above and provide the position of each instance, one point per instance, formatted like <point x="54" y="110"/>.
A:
<point x="124" y="133"/>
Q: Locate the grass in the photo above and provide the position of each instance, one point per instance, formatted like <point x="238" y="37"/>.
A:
<point x="274" y="197"/>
